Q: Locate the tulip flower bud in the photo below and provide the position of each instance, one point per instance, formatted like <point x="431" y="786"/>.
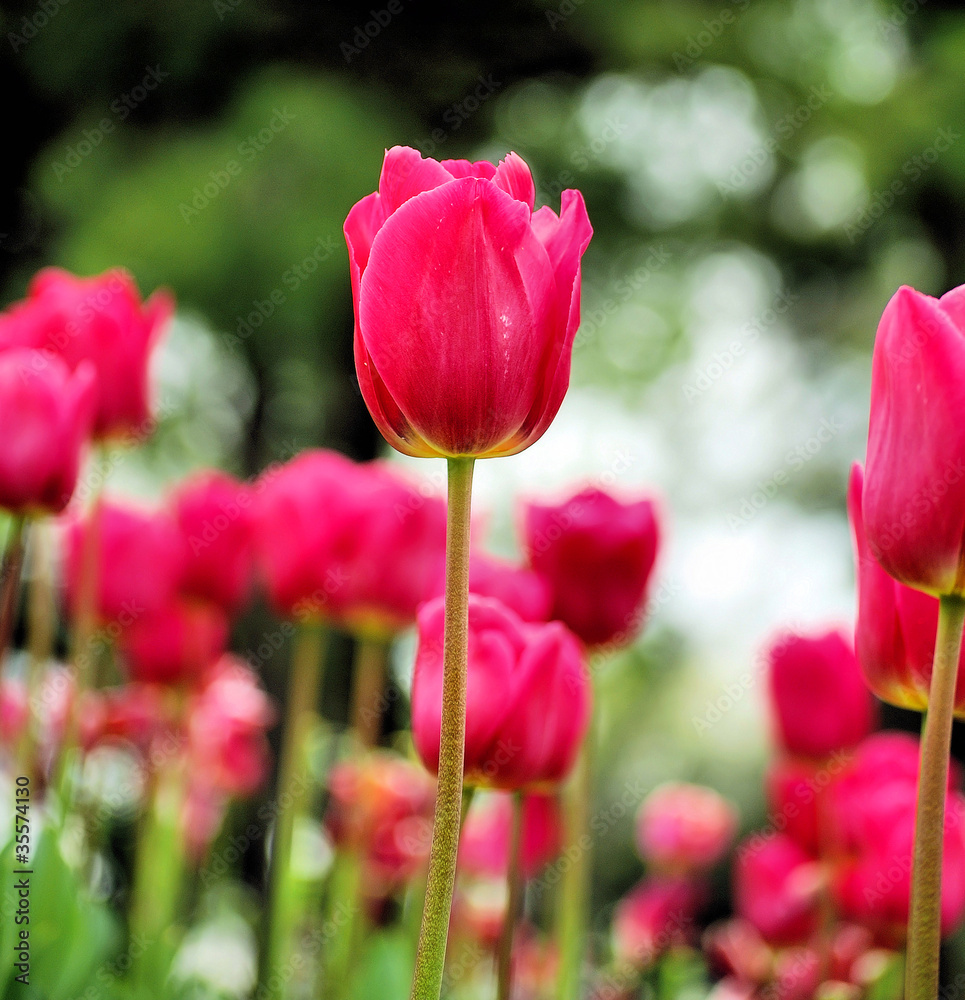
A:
<point x="213" y="512"/>
<point x="818" y="696"/>
<point x="140" y="562"/>
<point x="484" y="843"/>
<point x="466" y="304"/>
<point x="46" y="412"/>
<point x="597" y="555"/>
<point x="659" y="913"/>
<point x="896" y="625"/>
<point x="914" y="490"/>
<point x="518" y="587"/>
<point x="176" y="644"/>
<point x="684" y="828"/>
<point x="776" y="888"/>
<point x="101" y="321"/>
<point x="528" y="698"/>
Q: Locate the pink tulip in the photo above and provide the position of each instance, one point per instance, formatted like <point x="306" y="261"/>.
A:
<point x="818" y="696"/>
<point x="659" y="913"/>
<point x="466" y="304"/>
<point x="99" y="320"/>
<point x="213" y="512"/>
<point x="484" y="843"/>
<point x="896" y="625"/>
<point x="358" y="545"/>
<point x="140" y="562"/>
<point x="518" y="587"/>
<point x="227" y="721"/>
<point x="46" y="413"/>
<point x="794" y="786"/>
<point x="380" y="807"/>
<point x="684" y="828"/>
<point x="597" y="555"/>
<point x="528" y="697"/>
<point x="914" y="492"/>
<point x="14" y="711"/>
<point x="176" y="644"/>
<point x="776" y="888"/>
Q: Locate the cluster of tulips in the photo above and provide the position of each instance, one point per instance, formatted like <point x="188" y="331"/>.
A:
<point x="467" y="302"/>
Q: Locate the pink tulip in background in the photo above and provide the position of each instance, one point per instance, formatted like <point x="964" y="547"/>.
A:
<point x="914" y="492"/>
<point x="685" y="828"/>
<point x="528" y="701"/>
<point x="597" y="554"/>
<point x="46" y="412"/>
<point x="819" y="699"/>
<point x="100" y="320"/>
<point x="659" y="913"/>
<point x="466" y="303"/>
<point x="213" y="513"/>
<point x="484" y="843"/>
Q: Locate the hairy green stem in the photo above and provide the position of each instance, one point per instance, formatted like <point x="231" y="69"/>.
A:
<point x="514" y="877"/>
<point x="924" y="928"/>
<point x="431" y="952"/>
<point x="302" y="700"/>
<point x="10" y="575"/>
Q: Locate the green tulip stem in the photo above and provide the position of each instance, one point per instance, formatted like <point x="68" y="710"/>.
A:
<point x="10" y="574"/>
<point x="514" y="877"/>
<point x="924" y="928"/>
<point x="431" y="952"/>
<point x="306" y="677"/>
<point x="369" y="687"/>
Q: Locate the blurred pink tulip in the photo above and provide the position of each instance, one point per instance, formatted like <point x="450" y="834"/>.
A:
<point x="102" y="321"/>
<point x="46" y="412"/>
<point x="659" y="913"/>
<point x="596" y="553"/>
<point x="684" y="828"/>
<point x="466" y="304"/>
<point x="213" y="513"/>
<point x="819" y="699"/>
<point x="528" y="699"/>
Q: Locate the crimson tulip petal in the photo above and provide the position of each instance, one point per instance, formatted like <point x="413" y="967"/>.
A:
<point x="914" y="491"/>
<point x="516" y="179"/>
<point x="406" y="173"/>
<point x="467" y="168"/>
<point x="480" y="365"/>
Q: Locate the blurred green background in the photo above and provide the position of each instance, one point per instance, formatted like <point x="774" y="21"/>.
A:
<point x="761" y="176"/>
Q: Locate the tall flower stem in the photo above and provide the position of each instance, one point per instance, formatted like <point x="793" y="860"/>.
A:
<point x="573" y="900"/>
<point x="10" y="575"/>
<point x="431" y="953"/>
<point x="369" y="683"/>
<point x="514" y="876"/>
<point x="924" y="929"/>
<point x="306" y="676"/>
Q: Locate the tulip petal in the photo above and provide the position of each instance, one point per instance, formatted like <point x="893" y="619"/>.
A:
<point x="914" y="492"/>
<point x="466" y="168"/>
<point x="405" y="173"/>
<point x="451" y="311"/>
<point x="515" y="178"/>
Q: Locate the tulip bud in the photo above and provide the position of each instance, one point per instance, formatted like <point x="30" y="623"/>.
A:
<point x="659" y="913"/>
<point x="101" y="321"/>
<point x="684" y="828"/>
<point x="213" y="512"/>
<point x="597" y="555"/>
<point x="46" y="412"/>
<point x="914" y="491"/>
<point x="466" y="304"/>
<point x="896" y="625"/>
<point x="528" y="697"/>
<point x="818" y="696"/>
